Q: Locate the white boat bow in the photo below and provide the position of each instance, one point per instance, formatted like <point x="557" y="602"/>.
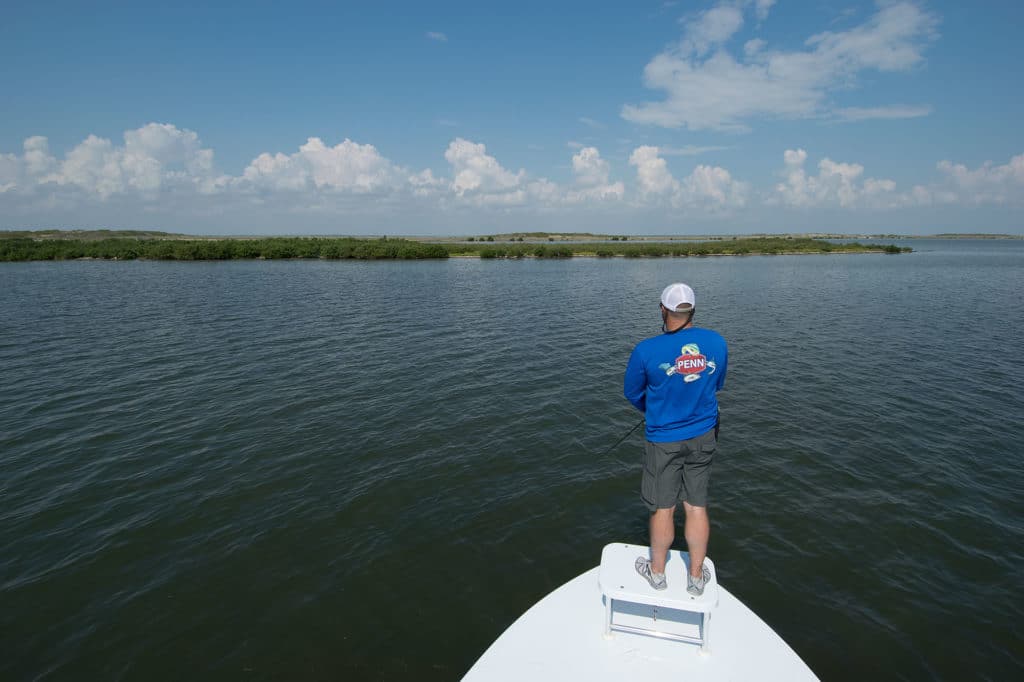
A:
<point x="563" y="637"/>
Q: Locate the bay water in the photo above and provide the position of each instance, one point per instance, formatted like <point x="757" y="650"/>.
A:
<point x="367" y="470"/>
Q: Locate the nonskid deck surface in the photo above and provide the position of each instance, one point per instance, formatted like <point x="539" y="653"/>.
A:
<point x="562" y="637"/>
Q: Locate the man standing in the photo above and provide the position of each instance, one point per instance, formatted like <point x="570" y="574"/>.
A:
<point x="673" y="378"/>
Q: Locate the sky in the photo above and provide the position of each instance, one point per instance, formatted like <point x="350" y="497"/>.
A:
<point x="463" y="118"/>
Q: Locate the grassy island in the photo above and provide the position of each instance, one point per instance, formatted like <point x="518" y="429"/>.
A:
<point x="650" y="249"/>
<point x="124" y="248"/>
<point x="108" y="245"/>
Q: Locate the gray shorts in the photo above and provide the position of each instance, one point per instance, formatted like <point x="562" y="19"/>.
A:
<point x="678" y="472"/>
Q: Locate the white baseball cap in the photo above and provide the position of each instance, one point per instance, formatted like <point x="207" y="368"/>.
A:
<point x="678" y="298"/>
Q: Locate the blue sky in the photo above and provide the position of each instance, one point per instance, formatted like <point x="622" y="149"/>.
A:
<point x="464" y="118"/>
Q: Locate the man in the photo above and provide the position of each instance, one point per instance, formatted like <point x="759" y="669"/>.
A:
<point x="673" y="378"/>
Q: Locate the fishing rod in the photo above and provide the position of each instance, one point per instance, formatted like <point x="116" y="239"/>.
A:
<point x="621" y="440"/>
<point x="718" y="423"/>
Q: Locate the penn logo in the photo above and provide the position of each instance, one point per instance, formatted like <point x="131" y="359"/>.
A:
<point x="691" y="364"/>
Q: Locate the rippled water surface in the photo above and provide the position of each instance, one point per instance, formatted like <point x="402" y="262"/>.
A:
<point x="332" y="470"/>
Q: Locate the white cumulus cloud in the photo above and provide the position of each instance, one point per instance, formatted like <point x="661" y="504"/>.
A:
<point x="592" y="177"/>
<point x="38" y="160"/>
<point x="155" y="157"/>
<point x="478" y="174"/>
<point x="652" y="175"/>
<point x="424" y="183"/>
<point x="160" y="169"/>
<point x="23" y="173"/>
<point x="276" y="171"/>
<point x="707" y="88"/>
<point x="708" y="187"/>
<point x="836" y="183"/>
<point x="712" y="187"/>
<point x="10" y="172"/>
<point x="988" y="183"/>
<point x="844" y="185"/>
<point x="345" y="167"/>
<point x="590" y="169"/>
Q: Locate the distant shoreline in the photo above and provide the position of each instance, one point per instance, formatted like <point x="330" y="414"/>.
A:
<point x="588" y="237"/>
<point x="518" y="237"/>
<point x="149" y="246"/>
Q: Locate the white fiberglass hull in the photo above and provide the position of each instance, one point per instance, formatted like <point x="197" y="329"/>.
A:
<point x="562" y="638"/>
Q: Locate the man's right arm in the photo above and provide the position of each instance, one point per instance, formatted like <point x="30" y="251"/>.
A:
<point x="635" y="382"/>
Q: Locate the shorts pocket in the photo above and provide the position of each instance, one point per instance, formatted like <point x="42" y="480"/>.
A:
<point x="708" y="443"/>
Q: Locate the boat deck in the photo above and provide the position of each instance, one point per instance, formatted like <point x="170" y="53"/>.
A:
<point x="562" y="638"/>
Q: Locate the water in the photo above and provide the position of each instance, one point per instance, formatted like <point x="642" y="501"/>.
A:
<point x="329" y="470"/>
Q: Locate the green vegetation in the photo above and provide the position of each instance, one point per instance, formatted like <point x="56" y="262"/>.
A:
<point x="45" y="246"/>
<point x="22" y="249"/>
<point x="516" y="251"/>
<point x="739" y="247"/>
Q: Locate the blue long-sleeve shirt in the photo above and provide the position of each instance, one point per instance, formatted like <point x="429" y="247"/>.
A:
<point x="673" y="378"/>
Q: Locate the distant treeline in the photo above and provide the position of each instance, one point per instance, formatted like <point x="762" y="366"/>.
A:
<point x="26" y="249"/>
<point x="89" y="234"/>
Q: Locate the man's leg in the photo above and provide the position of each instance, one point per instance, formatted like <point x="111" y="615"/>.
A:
<point x="697" y="532"/>
<point x="663" y="533"/>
